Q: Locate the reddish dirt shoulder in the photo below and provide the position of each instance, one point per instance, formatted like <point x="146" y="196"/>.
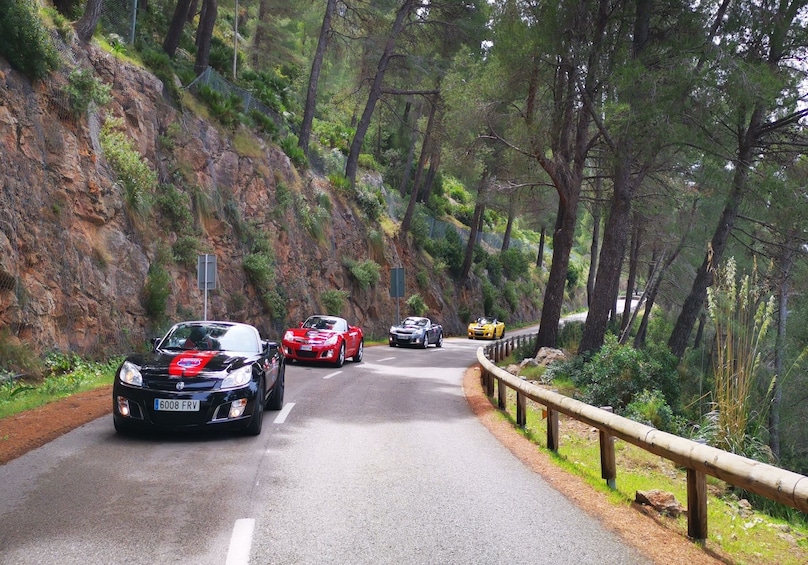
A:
<point x="31" y="429"/>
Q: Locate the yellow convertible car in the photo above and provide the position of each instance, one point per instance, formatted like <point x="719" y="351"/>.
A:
<point x="486" y="328"/>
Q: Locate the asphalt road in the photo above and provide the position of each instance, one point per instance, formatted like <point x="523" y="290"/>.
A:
<point x="377" y="462"/>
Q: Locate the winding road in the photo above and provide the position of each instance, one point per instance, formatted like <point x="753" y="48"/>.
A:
<point x="377" y="462"/>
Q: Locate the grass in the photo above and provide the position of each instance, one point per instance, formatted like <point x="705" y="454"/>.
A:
<point x="66" y="375"/>
<point x="747" y="536"/>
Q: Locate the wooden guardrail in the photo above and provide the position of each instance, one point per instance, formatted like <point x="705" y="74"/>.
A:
<point x="698" y="459"/>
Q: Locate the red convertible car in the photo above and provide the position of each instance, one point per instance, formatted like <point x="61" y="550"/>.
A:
<point x="325" y="339"/>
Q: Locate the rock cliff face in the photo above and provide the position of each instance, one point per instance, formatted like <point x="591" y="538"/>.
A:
<point x="74" y="258"/>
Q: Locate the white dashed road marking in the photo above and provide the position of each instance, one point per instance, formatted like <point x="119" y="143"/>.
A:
<point x="334" y="374"/>
<point x="386" y="359"/>
<point x="281" y="417"/>
<point x="240" y="542"/>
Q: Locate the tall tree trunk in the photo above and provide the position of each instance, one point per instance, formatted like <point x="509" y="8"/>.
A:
<point x="715" y="252"/>
<point x="476" y="222"/>
<point x="434" y="163"/>
<point x="204" y="34"/>
<point x="610" y="262"/>
<point x="314" y="77"/>
<point x="261" y="37"/>
<point x="506" y="238"/>
<point x="540" y="254"/>
<point x="410" y="213"/>
<point x="352" y="163"/>
<point x="634" y="253"/>
<point x="786" y="262"/>
<point x="595" y="247"/>
<point x="178" y="22"/>
<point x="85" y="27"/>
<point x="405" y="178"/>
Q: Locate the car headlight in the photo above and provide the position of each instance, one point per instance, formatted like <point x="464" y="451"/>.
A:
<point x="237" y="378"/>
<point x="130" y="374"/>
<point x="332" y="340"/>
<point x="288" y="336"/>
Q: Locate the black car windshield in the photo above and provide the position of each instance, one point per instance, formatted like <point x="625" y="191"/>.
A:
<point x="324" y="323"/>
<point x="212" y="337"/>
<point x="414" y="322"/>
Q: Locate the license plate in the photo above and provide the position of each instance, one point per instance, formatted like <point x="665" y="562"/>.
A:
<point x="166" y="405"/>
<point x="305" y="348"/>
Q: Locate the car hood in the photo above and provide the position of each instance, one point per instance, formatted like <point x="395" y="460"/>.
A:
<point x="409" y="328"/>
<point x="311" y="335"/>
<point x="188" y="364"/>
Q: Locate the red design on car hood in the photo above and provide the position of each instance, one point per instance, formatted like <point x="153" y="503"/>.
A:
<point x="190" y="364"/>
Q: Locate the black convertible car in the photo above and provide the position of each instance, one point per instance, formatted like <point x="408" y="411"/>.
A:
<point x="210" y="375"/>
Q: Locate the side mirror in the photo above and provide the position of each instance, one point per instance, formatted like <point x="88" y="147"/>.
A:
<point x="300" y="324"/>
<point x="155" y="342"/>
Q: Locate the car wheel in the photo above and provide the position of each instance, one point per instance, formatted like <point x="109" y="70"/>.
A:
<point x="359" y="352"/>
<point x="425" y="343"/>
<point x="257" y="419"/>
<point x="502" y="335"/>
<point x="275" y="401"/>
<point x="340" y="356"/>
<point x="440" y="340"/>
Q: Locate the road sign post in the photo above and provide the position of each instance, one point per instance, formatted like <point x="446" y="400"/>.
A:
<point x="397" y="288"/>
<point x="206" y="276"/>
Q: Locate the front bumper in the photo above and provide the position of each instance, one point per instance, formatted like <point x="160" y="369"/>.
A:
<point x="481" y="333"/>
<point x="135" y="407"/>
<point x="326" y="354"/>
<point x="406" y="339"/>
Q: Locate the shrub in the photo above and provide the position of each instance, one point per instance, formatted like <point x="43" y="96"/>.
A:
<point x="569" y="335"/>
<point x="416" y="305"/>
<point x="260" y="271"/>
<point x="419" y="228"/>
<point x="489" y="296"/>
<point x="515" y="264"/>
<point x="422" y="278"/>
<point x="84" y="89"/>
<point x="511" y="296"/>
<point x="296" y="155"/>
<point x="366" y="273"/>
<point x="185" y="250"/>
<point x="617" y="373"/>
<point x="333" y="301"/>
<point x="24" y="41"/>
<point x="157" y="289"/>
<point x="130" y="167"/>
<point x="371" y="202"/>
<point x="650" y="408"/>
<point x="175" y="208"/>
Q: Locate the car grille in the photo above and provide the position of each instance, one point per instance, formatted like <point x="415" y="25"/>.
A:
<point x="306" y="354"/>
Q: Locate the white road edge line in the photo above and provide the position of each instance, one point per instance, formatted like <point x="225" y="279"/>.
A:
<point x="281" y="417"/>
<point x="240" y="542"/>
<point x="334" y="374"/>
<point x="386" y="359"/>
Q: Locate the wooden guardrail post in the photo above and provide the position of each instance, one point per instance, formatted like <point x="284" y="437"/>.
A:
<point x="552" y="429"/>
<point x="696" y="505"/>
<point x="608" y="463"/>
<point x="521" y="409"/>
<point x="502" y="394"/>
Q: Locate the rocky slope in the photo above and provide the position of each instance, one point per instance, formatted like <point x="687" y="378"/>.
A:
<point x="74" y="257"/>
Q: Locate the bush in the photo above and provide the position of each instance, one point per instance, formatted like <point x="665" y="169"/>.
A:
<point x="84" y="89"/>
<point x="175" y="207"/>
<point x="333" y="301"/>
<point x="419" y="228"/>
<point x="366" y="273"/>
<point x="650" y="408"/>
<point x="157" y="289"/>
<point x="296" y="155"/>
<point x="515" y="264"/>
<point x="24" y="41"/>
<point x="186" y="250"/>
<point x="617" y="373"/>
<point x="416" y="305"/>
<point x="130" y="167"/>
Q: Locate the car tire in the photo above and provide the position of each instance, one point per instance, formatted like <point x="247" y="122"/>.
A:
<point x="359" y="352"/>
<point x="257" y="419"/>
<point x="425" y="343"/>
<point x="439" y="343"/>
<point x="275" y="401"/>
<point x="340" y="356"/>
<point x="502" y="335"/>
